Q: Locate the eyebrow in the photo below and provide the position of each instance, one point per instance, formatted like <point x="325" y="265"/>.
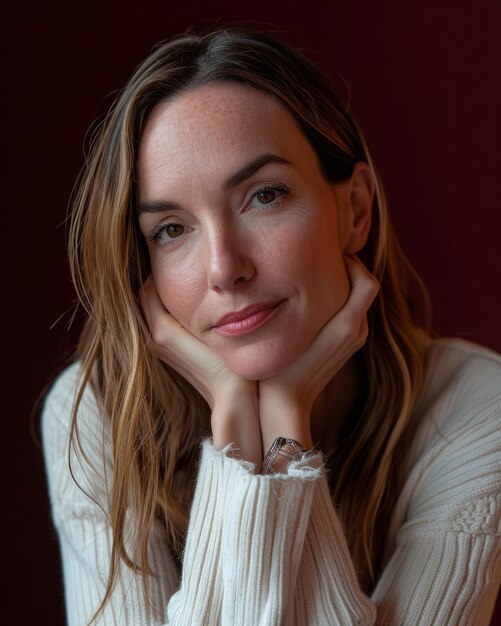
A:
<point x="240" y="176"/>
<point x="251" y="168"/>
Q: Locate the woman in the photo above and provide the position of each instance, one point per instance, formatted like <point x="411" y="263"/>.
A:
<point x="252" y="356"/>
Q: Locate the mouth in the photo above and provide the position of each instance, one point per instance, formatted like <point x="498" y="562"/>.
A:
<point x="248" y="319"/>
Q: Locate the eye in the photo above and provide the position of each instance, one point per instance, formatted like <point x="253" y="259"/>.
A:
<point x="171" y="231"/>
<point x="269" y="196"/>
<point x="165" y="233"/>
<point x="266" y="196"/>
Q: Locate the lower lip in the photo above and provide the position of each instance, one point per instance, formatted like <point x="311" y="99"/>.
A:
<point x="248" y="324"/>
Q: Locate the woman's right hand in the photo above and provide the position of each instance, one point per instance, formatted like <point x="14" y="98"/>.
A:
<point x="233" y="400"/>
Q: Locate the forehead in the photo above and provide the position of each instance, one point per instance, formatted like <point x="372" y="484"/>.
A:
<point x="213" y="128"/>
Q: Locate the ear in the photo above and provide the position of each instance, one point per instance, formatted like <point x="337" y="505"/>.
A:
<point x="359" y="200"/>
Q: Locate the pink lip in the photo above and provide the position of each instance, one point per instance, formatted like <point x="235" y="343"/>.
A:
<point x="247" y="319"/>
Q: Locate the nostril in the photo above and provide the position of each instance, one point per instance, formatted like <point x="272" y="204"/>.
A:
<point x="229" y="264"/>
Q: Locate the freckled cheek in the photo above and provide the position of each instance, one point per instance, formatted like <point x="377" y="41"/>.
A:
<point x="180" y="287"/>
<point x="311" y="260"/>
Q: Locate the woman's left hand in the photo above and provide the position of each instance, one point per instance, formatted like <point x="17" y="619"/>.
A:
<point x="286" y="400"/>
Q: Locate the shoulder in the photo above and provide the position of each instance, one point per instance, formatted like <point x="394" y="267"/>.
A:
<point x="460" y="353"/>
<point x="462" y="384"/>
<point x="453" y="468"/>
<point x="58" y="411"/>
<point x="456" y="453"/>
<point x="77" y="461"/>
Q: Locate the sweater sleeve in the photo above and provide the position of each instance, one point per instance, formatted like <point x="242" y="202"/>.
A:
<point x="250" y="566"/>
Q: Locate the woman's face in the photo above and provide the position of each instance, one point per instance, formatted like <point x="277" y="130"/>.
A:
<point x="246" y="238"/>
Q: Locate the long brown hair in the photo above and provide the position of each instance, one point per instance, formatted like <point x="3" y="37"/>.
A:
<point x="156" y="417"/>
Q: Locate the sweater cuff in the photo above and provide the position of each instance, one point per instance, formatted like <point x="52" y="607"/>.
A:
<point x="263" y="531"/>
<point x="308" y="467"/>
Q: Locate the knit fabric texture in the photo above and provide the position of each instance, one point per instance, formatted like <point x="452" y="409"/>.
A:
<point x="270" y="550"/>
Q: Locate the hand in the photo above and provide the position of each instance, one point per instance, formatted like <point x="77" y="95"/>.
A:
<point x="233" y="401"/>
<point x="286" y="400"/>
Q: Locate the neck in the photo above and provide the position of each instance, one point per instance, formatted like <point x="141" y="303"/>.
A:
<point x="339" y="404"/>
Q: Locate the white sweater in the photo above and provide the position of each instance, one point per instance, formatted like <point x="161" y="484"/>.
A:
<point x="269" y="550"/>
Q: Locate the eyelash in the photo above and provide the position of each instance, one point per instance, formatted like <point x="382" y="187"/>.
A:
<point x="155" y="233"/>
<point x="282" y="188"/>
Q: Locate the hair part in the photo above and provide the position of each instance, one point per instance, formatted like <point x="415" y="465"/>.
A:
<point x="156" y="418"/>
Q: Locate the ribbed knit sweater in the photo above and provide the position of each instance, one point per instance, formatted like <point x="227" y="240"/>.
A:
<point x="270" y="550"/>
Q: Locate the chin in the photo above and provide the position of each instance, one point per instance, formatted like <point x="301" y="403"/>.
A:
<point x="259" y="362"/>
<point x="253" y="372"/>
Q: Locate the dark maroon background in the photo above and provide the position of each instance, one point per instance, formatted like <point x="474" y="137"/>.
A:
<point x="424" y="80"/>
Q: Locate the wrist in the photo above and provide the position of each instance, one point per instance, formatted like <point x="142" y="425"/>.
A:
<point x="282" y="452"/>
<point x="283" y="415"/>
<point x="235" y="420"/>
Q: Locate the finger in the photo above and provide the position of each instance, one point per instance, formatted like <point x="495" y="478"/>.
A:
<point x="364" y="288"/>
<point x="150" y="300"/>
<point x="162" y="325"/>
<point x="169" y="340"/>
<point x="348" y="328"/>
<point x="358" y="273"/>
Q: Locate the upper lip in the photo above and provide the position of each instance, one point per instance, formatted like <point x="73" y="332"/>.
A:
<point x="237" y="316"/>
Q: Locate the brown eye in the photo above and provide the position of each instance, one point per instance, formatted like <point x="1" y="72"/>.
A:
<point x="174" y="230"/>
<point x="166" y="233"/>
<point x="266" y="196"/>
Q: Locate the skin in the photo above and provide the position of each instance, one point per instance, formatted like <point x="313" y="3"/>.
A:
<point x="282" y="234"/>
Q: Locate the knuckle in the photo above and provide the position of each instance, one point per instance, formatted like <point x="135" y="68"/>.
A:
<point x="348" y="327"/>
<point x="159" y="335"/>
<point x="156" y="337"/>
<point x="363" y="336"/>
<point x="373" y="285"/>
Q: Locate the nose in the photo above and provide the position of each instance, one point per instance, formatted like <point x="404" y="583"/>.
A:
<point x="230" y="260"/>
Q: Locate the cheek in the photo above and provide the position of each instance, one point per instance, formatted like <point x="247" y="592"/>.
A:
<point x="179" y="287"/>
<point x="314" y="262"/>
